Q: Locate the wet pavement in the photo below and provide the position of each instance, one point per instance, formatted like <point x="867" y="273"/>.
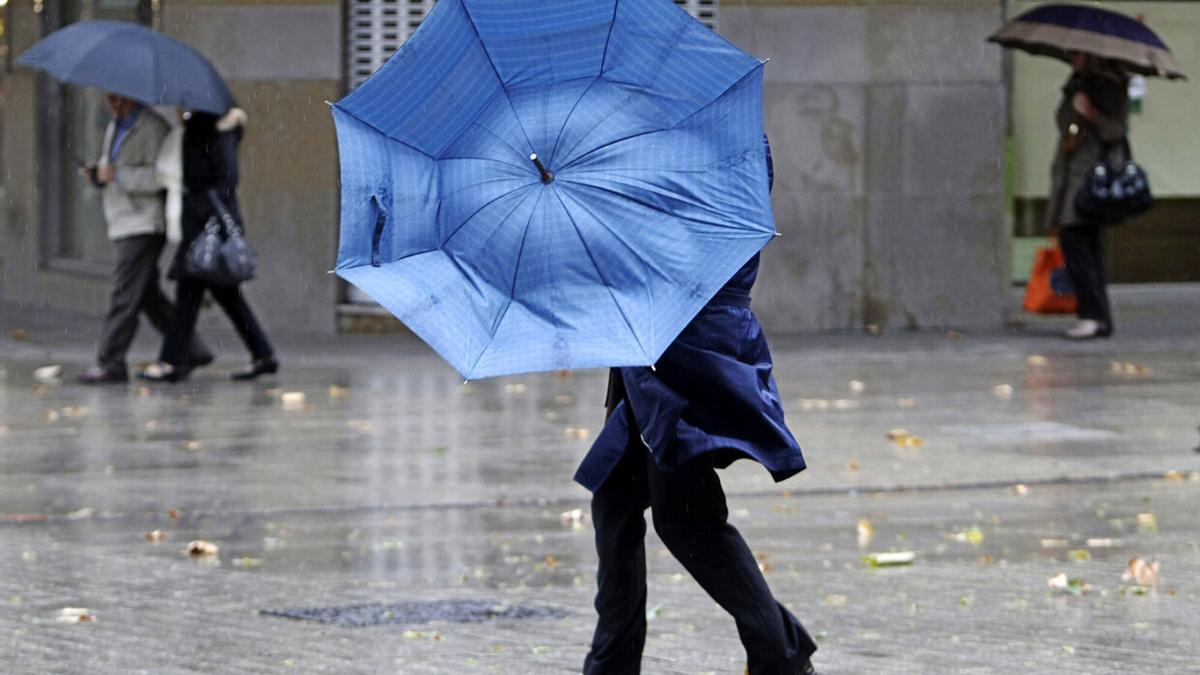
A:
<point x="367" y="481"/>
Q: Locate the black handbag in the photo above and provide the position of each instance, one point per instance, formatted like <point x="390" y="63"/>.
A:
<point x="1111" y="194"/>
<point x="221" y="256"/>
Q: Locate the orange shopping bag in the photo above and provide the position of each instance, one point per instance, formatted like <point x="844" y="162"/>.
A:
<point x="1049" y="289"/>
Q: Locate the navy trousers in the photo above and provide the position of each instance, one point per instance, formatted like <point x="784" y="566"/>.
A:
<point x="691" y="517"/>
<point x="1083" y="252"/>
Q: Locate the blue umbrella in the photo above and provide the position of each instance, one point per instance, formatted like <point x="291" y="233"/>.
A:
<point x="1058" y="29"/>
<point x="133" y="61"/>
<point x="553" y="184"/>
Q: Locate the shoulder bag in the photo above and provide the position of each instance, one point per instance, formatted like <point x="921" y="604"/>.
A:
<point x="1111" y="194"/>
<point x="221" y="256"/>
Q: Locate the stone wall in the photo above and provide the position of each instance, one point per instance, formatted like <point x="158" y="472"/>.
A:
<point x="887" y="125"/>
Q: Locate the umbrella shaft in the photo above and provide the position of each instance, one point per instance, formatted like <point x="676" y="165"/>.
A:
<point x="547" y="177"/>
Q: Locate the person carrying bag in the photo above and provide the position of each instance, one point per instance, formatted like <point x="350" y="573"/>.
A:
<point x="213" y="255"/>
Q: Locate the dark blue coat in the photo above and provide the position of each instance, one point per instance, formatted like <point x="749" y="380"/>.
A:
<point x="711" y="391"/>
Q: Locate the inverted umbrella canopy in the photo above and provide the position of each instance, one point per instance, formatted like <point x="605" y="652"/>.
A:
<point x="133" y="61"/>
<point x="553" y="183"/>
<point x="1058" y="29"/>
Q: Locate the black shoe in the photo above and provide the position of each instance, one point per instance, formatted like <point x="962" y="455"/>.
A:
<point x="201" y="361"/>
<point x="163" y="372"/>
<point x="98" y="375"/>
<point x="267" y="366"/>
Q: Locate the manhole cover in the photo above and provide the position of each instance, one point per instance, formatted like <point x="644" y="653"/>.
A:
<point x="406" y="613"/>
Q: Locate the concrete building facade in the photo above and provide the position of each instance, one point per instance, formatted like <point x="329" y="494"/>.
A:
<point x="887" y="120"/>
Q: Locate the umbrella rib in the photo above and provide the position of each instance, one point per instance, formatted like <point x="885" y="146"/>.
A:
<point x="603" y="280"/>
<point x="468" y="219"/>
<point x="599" y="76"/>
<point x="513" y="289"/>
<point x="651" y="207"/>
<point x="673" y="126"/>
<point x="567" y="119"/>
<point x="383" y="133"/>
<point x="499" y="79"/>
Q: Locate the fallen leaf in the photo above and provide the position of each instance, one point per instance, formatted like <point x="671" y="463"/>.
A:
<point x="156" y="536"/>
<point x="858" y="386"/>
<point x="19" y="334"/>
<point x="50" y="416"/>
<point x="202" y="549"/>
<point x="814" y="404"/>
<point x="890" y="559"/>
<point x="1020" y="489"/>
<point x="873" y="329"/>
<point x="1175" y="475"/>
<point x="907" y="402"/>
<point x="1116" y="367"/>
<point x="361" y="426"/>
<point x="578" y="433"/>
<point x="173" y="514"/>
<point x="515" y="388"/>
<point x="48" y="374"/>
<point x="82" y="514"/>
<point x="852" y="465"/>
<point x="564" y="374"/>
<point x="1141" y="572"/>
<point x="1147" y="523"/>
<point x="551" y="562"/>
<point x="1055" y="543"/>
<point x="574" y="519"/>
<point x="972" y="536"/>
<point x="336" y="391"/>
<point x="273" y="392"/>
<point x="563" y="399"/>
<point x="192" y="446"/>
<point x="75" y="615"/>
<point x="75" y="412"/>
<point x="1080" y="555"/>
<point x="247" y="562"/>
<point x="898" y="434"/>
<point x="1037" y="360"/>
<point x="845" y="404"/>
<point x="1063" y="584"/>
<point x="865" y="532"/>
<point x="835" y="600"/>
<point x="654" y="612"/>
<point x="1103" y="543"/>
<point x="292" y="400"/>
<point x="1003" y="392"/>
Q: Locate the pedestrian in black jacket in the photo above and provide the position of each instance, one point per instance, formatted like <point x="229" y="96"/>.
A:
<point x="210" y="167"/>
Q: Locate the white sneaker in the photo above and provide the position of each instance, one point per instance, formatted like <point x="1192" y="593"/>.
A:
<point x="1085" y="329"/>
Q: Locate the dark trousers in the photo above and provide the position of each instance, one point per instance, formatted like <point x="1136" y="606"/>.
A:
<point x="189" y="293"/>
<point x="691" y="517"/>
<point x="136" y="291"/>
<point x="1083" y="250"/>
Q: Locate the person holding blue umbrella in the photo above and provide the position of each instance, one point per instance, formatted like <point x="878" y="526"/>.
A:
<point x="710" y="400"/>
<point x="555" y="184"/>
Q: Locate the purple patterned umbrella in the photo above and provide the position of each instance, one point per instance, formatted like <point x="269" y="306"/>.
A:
<point x="1056" y="30"/>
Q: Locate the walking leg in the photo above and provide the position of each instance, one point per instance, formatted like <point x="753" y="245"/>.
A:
<point x="691" y="517"/>
<point x="136" y="266"/>
<point x="618" y="515"/>
<point x="1081" y="247"/>
<point x="238" y="310"/>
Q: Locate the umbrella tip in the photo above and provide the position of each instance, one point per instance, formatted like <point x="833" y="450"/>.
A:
<point x="329" y="103"/>
<point x="778" y="234"/>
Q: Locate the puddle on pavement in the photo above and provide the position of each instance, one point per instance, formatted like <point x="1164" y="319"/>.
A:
<point x="414" y="613"/>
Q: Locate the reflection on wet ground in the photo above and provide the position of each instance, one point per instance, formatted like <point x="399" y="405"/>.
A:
<point x="365" y="479"/>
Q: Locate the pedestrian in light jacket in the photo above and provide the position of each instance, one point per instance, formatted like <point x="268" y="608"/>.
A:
<point x="1092" y="119"/>
<point x="133" y="202"/>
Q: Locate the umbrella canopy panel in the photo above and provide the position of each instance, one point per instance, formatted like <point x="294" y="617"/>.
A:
<point x="133" y="61"/>
<point x="1056" y="30"/>
<point x="648" y="193"/>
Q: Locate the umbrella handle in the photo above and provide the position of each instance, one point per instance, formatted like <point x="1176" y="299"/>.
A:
<point x="547" y="177"/>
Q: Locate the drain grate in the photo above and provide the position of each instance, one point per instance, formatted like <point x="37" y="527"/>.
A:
<point x="415" y="612"/>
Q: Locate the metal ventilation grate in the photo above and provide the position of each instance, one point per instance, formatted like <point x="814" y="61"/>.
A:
<point x="375" y="29"/>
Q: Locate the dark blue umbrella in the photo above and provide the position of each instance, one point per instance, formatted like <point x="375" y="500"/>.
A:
<point x="553" y="184"/>
<point x="133" y="61"/>
<point x="1059" y="29"/>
